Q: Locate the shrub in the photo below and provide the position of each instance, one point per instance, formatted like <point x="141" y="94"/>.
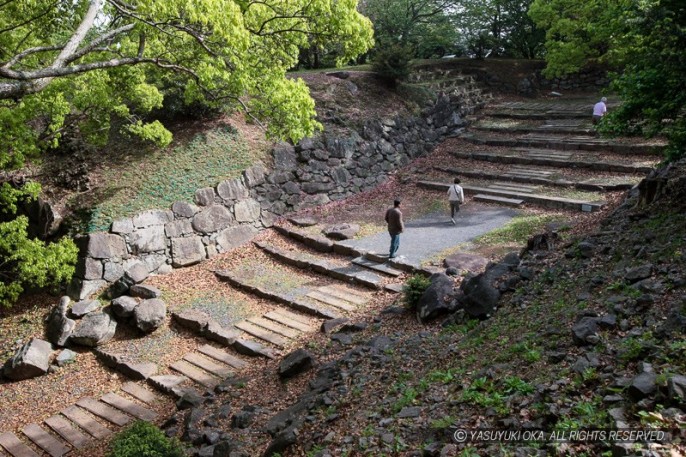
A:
<point x="144" y="440"/>
<point x="413" y="290"/>
<point x="392" y="63"/>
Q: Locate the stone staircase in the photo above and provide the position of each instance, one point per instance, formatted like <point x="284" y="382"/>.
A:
<point x="531" y="152"/>
<point x="345" y="284"/>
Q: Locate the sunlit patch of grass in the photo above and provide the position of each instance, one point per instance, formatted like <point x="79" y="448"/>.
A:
<point x="517" y="230"/>
<point x="169" y="175"/>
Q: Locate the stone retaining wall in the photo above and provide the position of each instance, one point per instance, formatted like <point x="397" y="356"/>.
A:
<point x="313" y="172"/>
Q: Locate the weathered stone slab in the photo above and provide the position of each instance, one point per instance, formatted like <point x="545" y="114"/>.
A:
<point x="150" y="314"/>
<point x="262" y="334"/>
<point x="381" y="267"/>
<point x="167" y="383"/>
<point x="251" y="348"/>
<point x="14" y="446"/>
<point x="153" y="217"/>
<point x="204" y="196"/>
<point x="207" y="365"/>
<point x="139" y="392"/>
<point x="150" y="239"/>
<point x="349" y="295"/>
<point x="137" y="371"/>
<point x="187" y="251"/>
<point x="222" y="356"/>
<point x="215" y="332"/>
<point x="197" y="375"/>
<point x="144" y="291"/>
<point x="274" y="327"/>
<point x="178" y="228"/>
<point x="104" y="411"/>
<point x="58" y="327"/>
<point x="193" y="320"/>
<point x="232" y="190"/>
<point x="129" y="407"/>
<point x="247" y="210"/>
<point x="184" y="209"/>
<point x="330" y="300"/>
<point x="105" y="246"/>
<point x="233" y="237"/>
<point x="83" y="307"/>
<point x="123" y="306"/>
<point x="89" y="268"/>
<point x="45" y="440"/>
<point x="284" y="319"/>
<point x="31" y="360"/>
<point x="212" y="219"/>
<point x="501" y="200"/>
<point x="66" y="430"/>
<point x="86" y="422"/>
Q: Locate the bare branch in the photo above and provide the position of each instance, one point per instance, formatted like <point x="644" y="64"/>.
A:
<point x="98" y="41"/>
<point x="14" y="60"/>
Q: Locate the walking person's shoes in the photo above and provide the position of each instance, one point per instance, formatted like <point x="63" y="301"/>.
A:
<point x="452" y="219"/>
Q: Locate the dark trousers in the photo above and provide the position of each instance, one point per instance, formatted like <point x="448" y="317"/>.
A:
<point x="395" y="244"/>
<point x="454" y="208"/>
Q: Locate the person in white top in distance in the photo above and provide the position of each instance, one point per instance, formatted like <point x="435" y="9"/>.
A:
<point x="456" y="198"/>
<point x="599" y="110"/>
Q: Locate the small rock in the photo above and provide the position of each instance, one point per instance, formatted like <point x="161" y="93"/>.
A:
<point x="145" y="292"/>
<point x="83" y="307"/>
<point x="123" y="306"/>
<point x="189" y="399"/>
<point x="150" y="314"/>
<point x="643" y="385"/>
<point x="676" y="388"/>
<point x="64" y="357"/>
<point x="295" y="363"/>
<point x="410" y="411"/>
<point x="331" y="325"/>
<point x="303" y="221"/>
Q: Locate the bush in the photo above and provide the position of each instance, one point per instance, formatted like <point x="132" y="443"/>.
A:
<point x="392" y="63"/>
<point x="413" y="290"/>
<point x="144" y="440"/>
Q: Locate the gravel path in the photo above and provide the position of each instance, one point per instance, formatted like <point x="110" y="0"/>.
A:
<point x="433" y="233"/>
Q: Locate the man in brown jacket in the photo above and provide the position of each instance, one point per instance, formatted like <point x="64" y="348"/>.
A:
<point x="394" y="219"/>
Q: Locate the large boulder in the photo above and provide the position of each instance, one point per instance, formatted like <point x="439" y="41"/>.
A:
<point x="212" y="219"/>
<point x="187" y="251"/>
<point x="33" y="359"/>
<point x="482" y="292"/>
<point x="58" y="327"/>
<point x="94" y="329"/>
<point x="149" y="314"/>
<point x="83" y="307"/>
<point x="438" y="298"/>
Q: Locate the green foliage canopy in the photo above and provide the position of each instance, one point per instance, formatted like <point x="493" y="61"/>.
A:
<point x="79" y="64"/>
<point x="644" y="39"/>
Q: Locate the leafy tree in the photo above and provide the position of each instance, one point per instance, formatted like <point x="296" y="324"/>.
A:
<point x="422" y="26"/>
<point x="644" y="40"/>
<point x="499" y="28"/>
<point x="77" y="64"/>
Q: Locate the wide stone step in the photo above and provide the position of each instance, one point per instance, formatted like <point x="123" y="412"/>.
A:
<point x="501" y="200"/>
<point x="104" y="411"/>
<point x="196" y="374"/>
<point x="553" y="160"/>
<point x="169" y="383"/>
<point x="289" y="319"/>
<point x="15" y="446"/>
<point x="45" y="441"/>
<point x="263" y="334"/>
<point x="86" y="422"/>
<point x="349" y="273"/>
<point x="274" y="327"/>
<point x="542" y="200"/>
<point x="67" y="431"/>
<point x="222" y="356"/>
<point x="346" y="294"/>
<point x="206" y="364"/>
<point x="551" y="142"/>
<point x="580" y="185"/>
<point x="547" y="128"/>
<point x="509" y="188"/>
<point x="330" y="300"/>
<point x="129" y="407"/>
<point x="296" y="304"/>
<point x="380" y="267"/>
<point x="139" y="392"/>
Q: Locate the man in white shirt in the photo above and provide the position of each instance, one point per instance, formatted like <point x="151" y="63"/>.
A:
<point x="599" y="110"/>
<point x="456" y="198"/>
